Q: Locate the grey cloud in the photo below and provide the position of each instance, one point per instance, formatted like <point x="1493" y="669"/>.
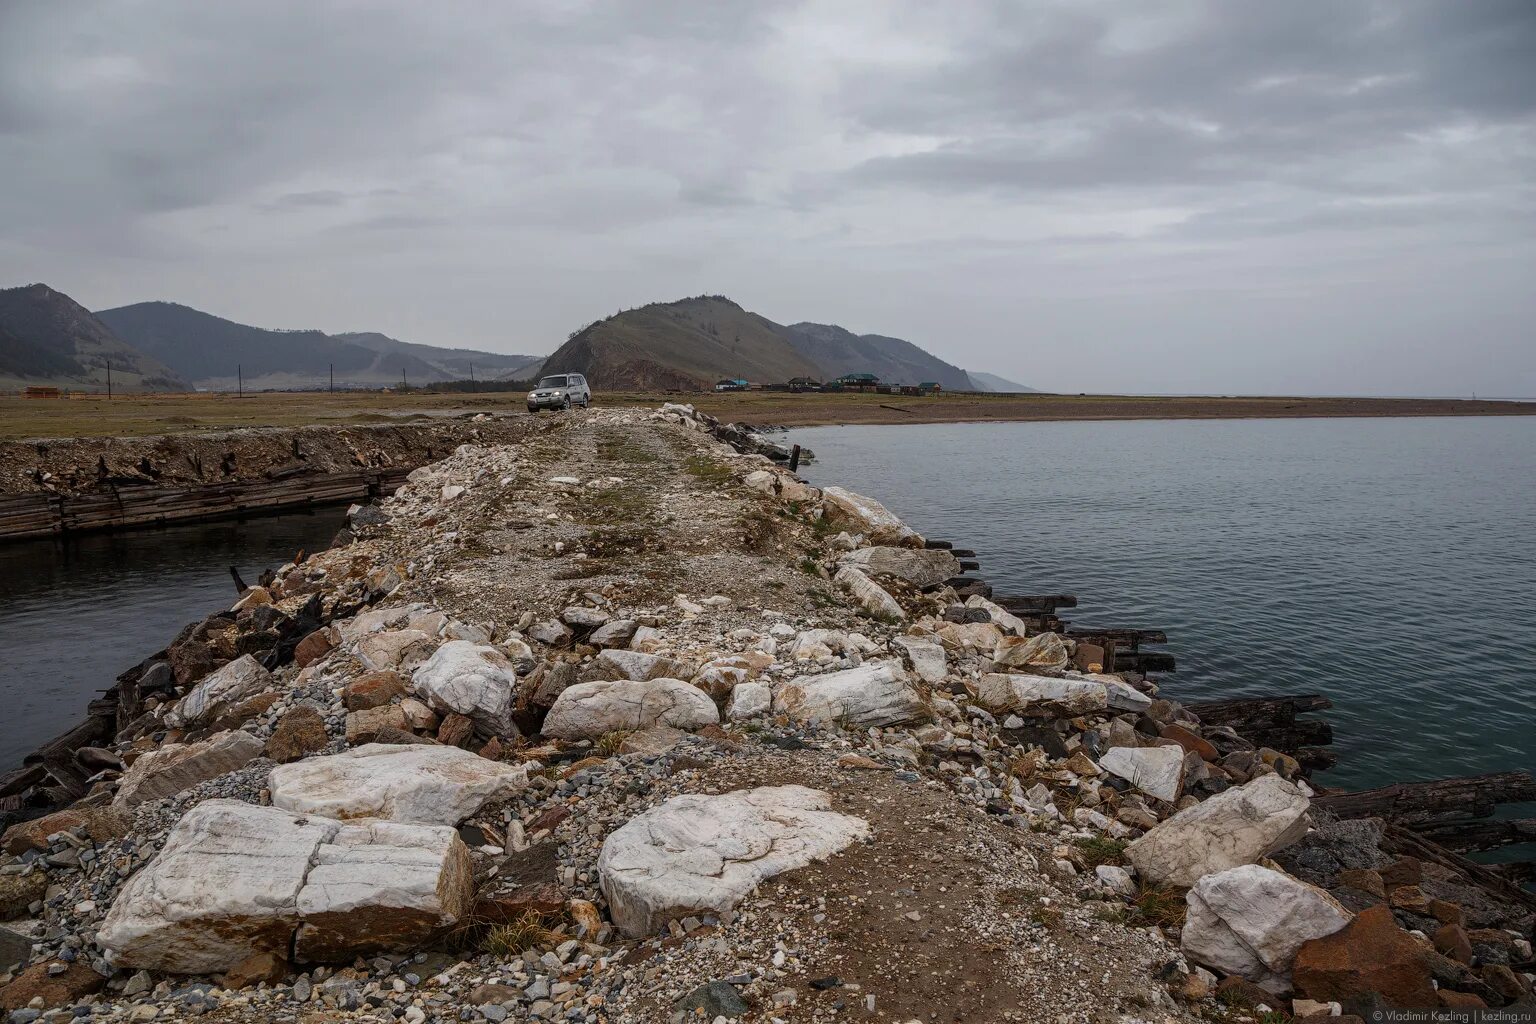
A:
<point x="1117" y="177"/>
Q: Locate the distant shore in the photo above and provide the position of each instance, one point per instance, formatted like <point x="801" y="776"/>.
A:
<point x="146" y="415"/>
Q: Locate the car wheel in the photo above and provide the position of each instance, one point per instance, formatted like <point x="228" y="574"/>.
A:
<point x="565" y="406"/>
<point x="533" y="409"/>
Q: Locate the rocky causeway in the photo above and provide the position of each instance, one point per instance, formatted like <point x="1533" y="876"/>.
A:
<point x="613" y="722"/>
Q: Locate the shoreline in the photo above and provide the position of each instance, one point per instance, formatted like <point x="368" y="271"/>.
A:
<point x="951" y="706"/>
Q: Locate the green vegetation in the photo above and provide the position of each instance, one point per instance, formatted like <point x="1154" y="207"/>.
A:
<point x="524" y="932"/>
<point x="1096" y="850"/>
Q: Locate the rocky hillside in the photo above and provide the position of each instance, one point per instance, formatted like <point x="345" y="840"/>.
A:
<point x="617" y="724"/>
<point x="998" y="385"/>
<point x="838" y="351"/>
<point x="691" y="344"/>
<point x="208" y="350"/>
<point x="685" y="345"/>
<point x="48" y="338"/>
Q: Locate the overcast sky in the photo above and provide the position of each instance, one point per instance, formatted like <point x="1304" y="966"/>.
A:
<point x="1307" y="196"/>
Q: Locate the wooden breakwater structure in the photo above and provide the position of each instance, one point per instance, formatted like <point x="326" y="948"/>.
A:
<point x="29" y="516"/>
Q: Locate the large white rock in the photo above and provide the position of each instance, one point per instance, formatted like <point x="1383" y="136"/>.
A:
<point x="927" y="658"/>
<point x="1003" y="692"/>
<point x="876" y="693"/>
<point x="921" y="567"/>
<point x="872" y="597"/>
<point x="235" y="879"/>
<point x="1250" y="921"/>
<point x="472" y="679"/>
<point x="588" y="710"/>
<point x="1122" y="695"/>
<point x="178" y="766"/>
<point x="220" y="691"/>
<point x="1230" y="829"/>
<point x="393" y="648"/>
<point x="636" y="665"/>
<point x="696" y="853"/>
<point x="382" y="887"/>
<point x="748" y="700"/>
<point x="999" y="615"/>
<point x="1043" y="651"/>
<point x="867" y="516"/>
<point x="398" y="617"/>
<point x="1156" y="771"/>
<point x="428" y="785"/>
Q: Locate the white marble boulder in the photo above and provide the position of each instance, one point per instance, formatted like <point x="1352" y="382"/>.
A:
<point x="589" y="710"/>
<point x="749" y="700"/>
<point x="867" y="516"/>
<point x="696" y="854"/>
<point x="427" y="785"/>
<point x="1042" y="651"/>
<point x="1230" y="829"/>
<point x="876" y="693"/>
<point x="921" y="567"/>
<point x="1000" y="693"/>
<point x="876" y="601"/>
<point x="235" y="879"/>
<point x="219" y="691"/>
<point x="927" y="658"/>
<point x="1251" y="920"/>
<point x="1156" y="771"/>
<point x="471" y="679"/>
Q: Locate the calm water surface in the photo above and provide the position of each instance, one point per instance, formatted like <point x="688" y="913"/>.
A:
<point x="73" y="614"/>
<point x="1387" y="563"/>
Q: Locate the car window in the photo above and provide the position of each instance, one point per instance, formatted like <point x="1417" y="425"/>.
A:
<point x="552" y="382"/>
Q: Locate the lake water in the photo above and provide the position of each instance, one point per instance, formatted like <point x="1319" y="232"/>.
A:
<point x="1387" y="563"/>
<point x="74" y="614"/>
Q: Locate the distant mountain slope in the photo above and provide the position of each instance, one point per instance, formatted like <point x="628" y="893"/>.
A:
<point x="992" y="382"/>
<point x="838" y="351"/>
<point x="459" y="363"/>
<point x="48" y="338"/>
<point x="210" y="351"/>
<point x="687" y="345"/>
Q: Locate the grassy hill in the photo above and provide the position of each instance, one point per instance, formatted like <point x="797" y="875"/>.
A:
<point x="210" y="350"/>
<point x="48" y="338"/>
<point x="838" y="351"/>
<point x="686" y="345"/>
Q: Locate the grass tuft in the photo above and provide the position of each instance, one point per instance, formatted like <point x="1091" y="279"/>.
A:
<point x="1097" y="850"/>
<point x="511" y="939"/>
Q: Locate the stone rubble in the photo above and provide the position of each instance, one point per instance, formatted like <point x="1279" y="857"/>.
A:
<point x="607" y="726"/>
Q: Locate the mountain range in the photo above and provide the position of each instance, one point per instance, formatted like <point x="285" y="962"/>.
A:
<point x="46" y="337"/>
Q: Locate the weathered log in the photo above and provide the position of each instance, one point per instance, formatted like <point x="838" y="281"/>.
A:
<point x="1485" y="834"/>
<point x="1036" y="602"/>
<point x="1260" y="711"/>
<point x="1440" y="802"/>
<point x="937" y="545"/>
<point x="1145" y="661"/>
<point x="240" y="584"/>
<point x="1404" y="842"/>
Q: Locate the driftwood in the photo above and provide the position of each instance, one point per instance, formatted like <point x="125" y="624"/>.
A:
<point x="1272" y="722"/>
<point x="1442" y="802"/>
<point x="1485" y="834"/>
<point x="1404" y="842"/>
<point x="1033" y="603"/>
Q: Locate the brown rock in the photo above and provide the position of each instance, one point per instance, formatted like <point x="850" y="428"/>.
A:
<point x="1451" y="939"/>
<point x="312" y="648"/>
<point x="192" y="660"/>
<point x="549" y="819"/>
<point x="299" y="732"/>
<point x="1190" y="741"/>
<point x="1403" y="871"/>
<point x="76" y="982"/>
<point x="543" y="898"/>
<point x="18" y="892"/>
<point x="102" y="824"/>
<point x="584" y="916"/>
<point x="1460" y="1000"/>
<point x="1193" y="988"/>
<point x="401" y="738"/>
<point x="255" y="969"/>
<point x="1504" y="981"/>
<point x="1370" y="954"/>
<point x="364" y="726"/>
<point x="243" y="712"/>
<point x="1365" y="880"/>
<point x="1409" y="897"/>
<point x="493" y="750"/>
<point x="480" y="995"/>
<point x="456" y="731"/>
<point x="373" y="690"/>
<point x="1447" y="912"/>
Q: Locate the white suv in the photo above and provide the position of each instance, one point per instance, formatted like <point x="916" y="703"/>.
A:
<point x="561" y="391"/>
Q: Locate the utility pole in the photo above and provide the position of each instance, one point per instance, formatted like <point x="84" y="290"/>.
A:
<point x="109" y="380"/>
<point x="403" y="384"/>
<point x="333" y="378"/>
<point x="471" y="375"/>
<point x="239" y="381"/>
